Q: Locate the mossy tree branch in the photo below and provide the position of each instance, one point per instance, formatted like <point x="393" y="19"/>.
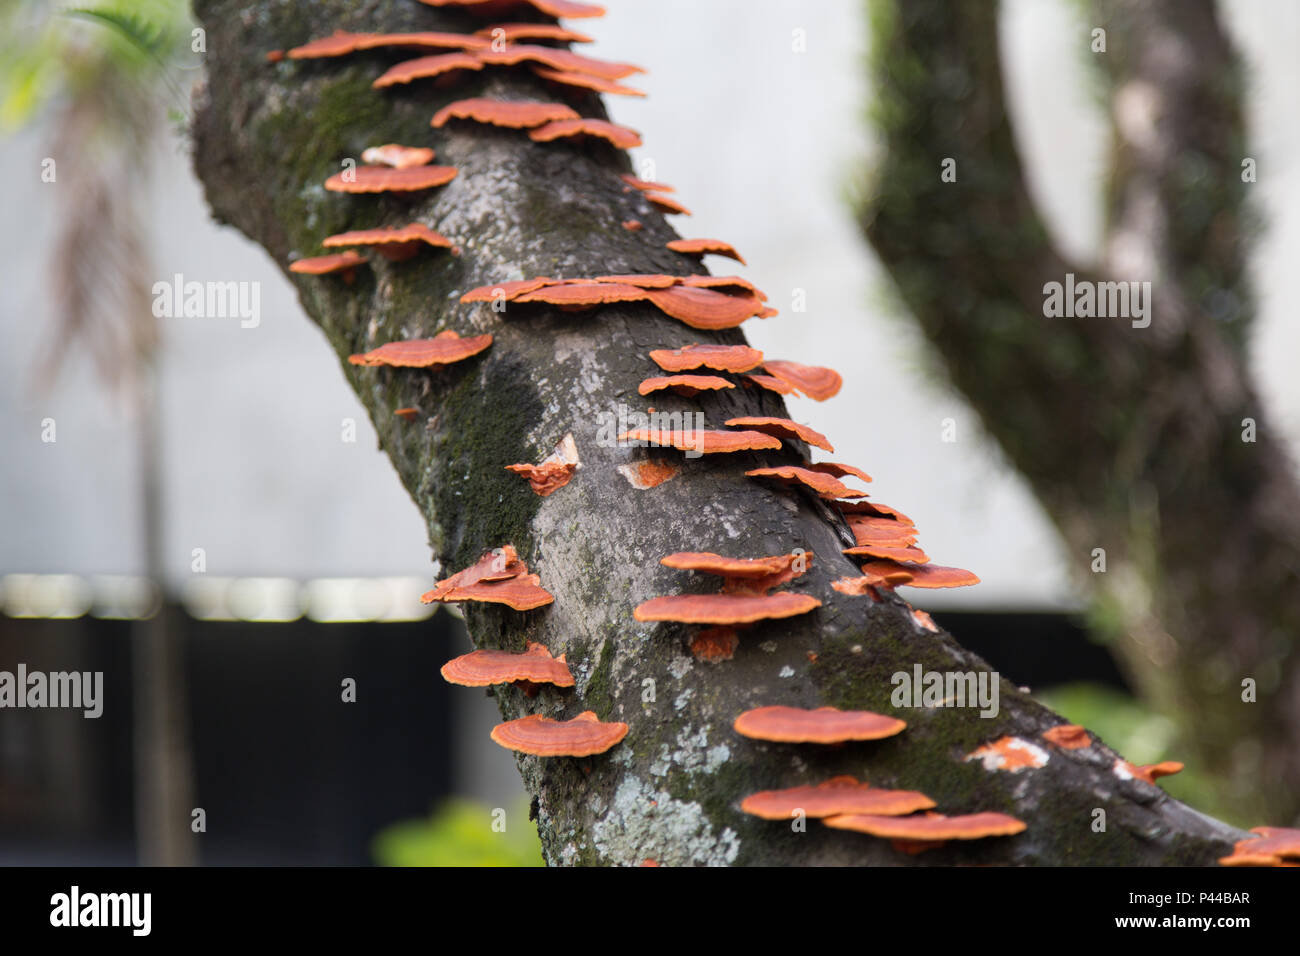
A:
<point x="265" y="138"/>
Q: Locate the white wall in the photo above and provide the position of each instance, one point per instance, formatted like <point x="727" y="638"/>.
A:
<point x="761" y="143"/>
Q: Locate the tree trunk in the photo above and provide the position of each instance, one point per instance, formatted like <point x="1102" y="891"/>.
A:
<point x="265" y="138"/>
<point x="1131" y="437"/>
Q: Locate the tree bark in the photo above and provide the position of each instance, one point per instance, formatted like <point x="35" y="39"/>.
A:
<point x="1131" y="437"/>
<point x="265" y="138"/>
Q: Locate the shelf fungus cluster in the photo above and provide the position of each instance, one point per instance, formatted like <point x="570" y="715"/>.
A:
<point x="498" y="577"/>
<point x="746" y="597"/>
<point x="905" y="817"/>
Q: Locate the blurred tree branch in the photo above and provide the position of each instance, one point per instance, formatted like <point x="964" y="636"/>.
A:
<point x="1132" y="438"/>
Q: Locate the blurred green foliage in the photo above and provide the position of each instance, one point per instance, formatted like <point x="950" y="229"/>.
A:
<point x="1137" y="732"/>
<point x="461" y="833"/>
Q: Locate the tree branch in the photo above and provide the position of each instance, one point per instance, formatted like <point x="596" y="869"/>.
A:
<point x="266" y="137"/>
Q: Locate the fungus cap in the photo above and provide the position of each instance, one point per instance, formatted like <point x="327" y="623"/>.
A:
<point x="522" y="593"/>
<point x="825" y="725"/>
<point x="1270" y="847"/>
<point x="710" y="563"/>
<point x="500" y="564"/>
<point x="581" y="295"/>
<point x="823" y="484"/>
<point x="816" y="382"/>
<point x="724" y="358"/>
<point x="838" y="795"/>
<point x="771" y="383"/>
<point x="345" y="262"/>
<point x="837" y="470"/>
<point x="725" y="608"/>
<point x="482" y="668"/>
<point x="341" y="43"/>
<point x="513" y="114"/>
<point x="443" y="349"/>
<point x="392" y="243"/>
<point x="704" y="308"/>
<point x="510" y="32"/>
<point x="701" y="440"/>
<point x="553" y="58"/>
<point x="506" y="290"/>
<point x="582" y="736"/>
<point x="646" y="185"/>
<point x="1068" y="737"/>
<point x="925" y="575"/>
<point x="930" y="826"/>
<point x="386" y="179"/>
<point x="784" y="428"/>
<point x="397" y="155"/>
<point x="686" y="384"/>
<point x="701" y="247"/>
<point x="666" y="204"/>
<point x="907" y="554"/>
<point x="622" y="137"/>
<point x="553" y="472"/>
<point x="426" y="68"/>
<point x="642" y="280"/>
<point x="586" y="81"/>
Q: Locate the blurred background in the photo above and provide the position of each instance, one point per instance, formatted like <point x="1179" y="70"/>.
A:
<point x="178" y="497"/>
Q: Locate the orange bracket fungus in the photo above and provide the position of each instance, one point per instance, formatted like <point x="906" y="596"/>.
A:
<point x="510" y="32"/>
<point x="784" y="428"/>
<point x="701" y="247"/>
<point x="1147" y="773"/>
<point x="586" y="81"/>
<point x="723" y="358"/>
<point x="344" y="263"/>
<point x="702" y="441"/>
<point x="505" y="290"/>
<point x="1068" y="737"/>
<point x="582" y="736"/>
<point x="522" y="593"/>
<point x="706" y="308"/>
<point x="816" y="382"/>
<point x="632" y="225"/>
<point x="930" y="826"/>
<point x="823" y="484"/>
<point x="398" y="156"/>
<point x="825" y="725"/>
<point x="619" y="136"/>
<point x="341" y="43"/>
<point x="864" y="585"/>
<point x="444" y="348"/>
<point x="650" y="473"/>
<point x="1271" y="846"/>
<point x="501" y="564"/>
<point x="725" y="608"/>
<point x="583" y="295"/>
<point x="925" y="575"/>
<point x="687" y="385"/>
<point x="839" y="795"/>
<point x="837" y="470"/>
<point x="511" y="114"/>
<point x="408" y="414"/>
<point x="666" y="204"/>
<point x="396" y="244"/>
<point x="908" y="555"/>
<point x="1012" y="754"/>
<point x="554" y="58"/>
<point x="386" y="179"/>
<point x="552" y="472"/>
<point x="551" y="8"/>
<point x="426" y="68"/>
<point x="482" y="668"/>
<point x="646" y="185"/>
<point x="771" y="384"/>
